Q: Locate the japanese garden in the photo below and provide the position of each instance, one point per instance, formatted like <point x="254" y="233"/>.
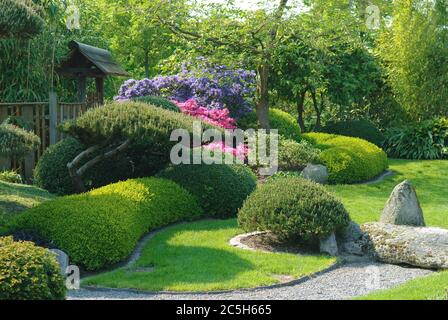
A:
<point x="235" y="150"/>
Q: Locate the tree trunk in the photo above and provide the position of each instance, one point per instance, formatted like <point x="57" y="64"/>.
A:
<point x="300" y="110"/>
<point x="263" y="97"/>
<point x="147" y="63"/>
<point x="318" y="125"/>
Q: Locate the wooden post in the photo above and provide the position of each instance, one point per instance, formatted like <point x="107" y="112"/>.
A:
<point x="53" y="118"/>
<point x="28" y="115"/>
<point x="82" y="87"/>
<point x="100" y="90"/>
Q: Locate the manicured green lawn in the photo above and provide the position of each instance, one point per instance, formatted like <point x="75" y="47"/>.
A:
<point x="434" y="287"/>
<point x="365" y="202"/>
<point x="197" y="257"/>
<point x="14" y="198"/>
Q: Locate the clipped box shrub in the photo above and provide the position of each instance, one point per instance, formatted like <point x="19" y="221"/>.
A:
<point x="28" y="272"/>
<point x="51" y="171"/>
<point x="16" y="142"/>
<point x="362" y="128"/>
<point x="159" y="102"/>
<point x="294" y="209"/>
<point x="349" y="160"/>
<point x="102" y="227"/>
<point x="295" y="156"/>
<point x="219" y="189"/>
<point x="282" y="121"/>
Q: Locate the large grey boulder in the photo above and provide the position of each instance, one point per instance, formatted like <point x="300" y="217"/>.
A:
<point x="329" y="245"/>
<point x="317" y="173"/>
<point x="62" y="259"/>
<point x="403" y="207"/>
<point x="416" y="246"/>
<point x="352" y="240"/>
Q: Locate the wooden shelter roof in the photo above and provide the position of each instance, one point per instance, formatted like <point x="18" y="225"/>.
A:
<point x="89" y="61"/>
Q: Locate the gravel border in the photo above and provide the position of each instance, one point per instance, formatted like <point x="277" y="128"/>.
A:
<point x="343" y="282"/>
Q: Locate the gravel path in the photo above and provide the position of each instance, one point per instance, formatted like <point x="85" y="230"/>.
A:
<point x="348" y="281"/>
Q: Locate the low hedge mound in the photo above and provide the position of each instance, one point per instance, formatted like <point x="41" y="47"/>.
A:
<point x="102" y="227"/>
<point x="159" y="102"/>
<point x="294" y="209"/>
<point x="349" y="160"/>
<point x="278" y="119"/>
<point x="362" y="128"/>
<point x="28" y="272"/>
<point x="219" y="189"/>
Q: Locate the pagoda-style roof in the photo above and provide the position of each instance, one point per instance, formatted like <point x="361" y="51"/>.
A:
<point x="88" y="61"/>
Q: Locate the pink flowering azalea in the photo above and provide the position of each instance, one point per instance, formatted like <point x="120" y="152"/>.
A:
<point x="240" y="151"/>
<point x="217" y="117"/>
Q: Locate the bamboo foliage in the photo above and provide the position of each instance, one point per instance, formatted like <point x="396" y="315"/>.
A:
<point x="20" y="19"/>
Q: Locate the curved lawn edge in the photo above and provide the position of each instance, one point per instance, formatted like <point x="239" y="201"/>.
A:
<point x="295" y="282"/>
<point x="305" y="268"/>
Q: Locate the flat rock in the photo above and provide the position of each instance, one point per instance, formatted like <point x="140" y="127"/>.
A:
<point x="317" y="173"/>
<point x="403" y="207"/>
<point x="352" y="240"/>
<point x="329" y="245"/>
<point x="416" y="246"/>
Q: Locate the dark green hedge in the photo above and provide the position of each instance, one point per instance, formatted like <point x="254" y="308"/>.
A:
<point x="362" y="128"/>
<point x="294" y="209"/>
<point x="284" y="122"/>
<point x="102" y="227"/>
<point x="220" y="189"/>
<point x="349" y="160"/>
<point x="28" y="272"/>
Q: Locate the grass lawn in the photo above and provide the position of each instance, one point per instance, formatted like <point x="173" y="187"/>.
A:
<point x="433" y="287"/>
<point x="197" y="257"/>
<point x="14" y="198"/>
<point x="366" y="202"/>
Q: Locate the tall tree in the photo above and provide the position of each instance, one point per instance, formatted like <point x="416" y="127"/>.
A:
<point x="226" y="28"/>
<point x="415" y="53"/>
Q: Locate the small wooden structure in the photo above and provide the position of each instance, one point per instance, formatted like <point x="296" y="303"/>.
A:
<point x="85" y="61"/>
<point x="82" y="62"/>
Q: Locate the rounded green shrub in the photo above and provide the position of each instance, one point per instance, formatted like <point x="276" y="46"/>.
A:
<point x="294" y="209"/>
<point x="220" y="189"/>
<point x="362" y="128"/>
<point x="102" y="227"/>
<point x="51" y="171"/>
<point x="16" y="142"/>
<point x="349" y="160"/>
<point x="295" y="156"/>
<point x="284" y="122"/>
<point x="159" y="102"/>
<point x="11" y="177"/>
<point x="28" y="272"/>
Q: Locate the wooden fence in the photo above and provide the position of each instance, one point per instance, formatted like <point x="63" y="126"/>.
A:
<point x="44" y="118"/>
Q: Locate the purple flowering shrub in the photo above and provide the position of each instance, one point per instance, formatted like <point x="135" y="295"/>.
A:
<point x="211" y="87"/>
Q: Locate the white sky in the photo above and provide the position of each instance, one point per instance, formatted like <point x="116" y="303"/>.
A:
<point x="255" y="4"/>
